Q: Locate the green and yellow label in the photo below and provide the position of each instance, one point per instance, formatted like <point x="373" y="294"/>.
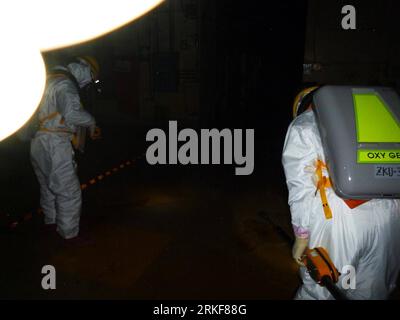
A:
<point x="375" y="122"/>
<point x="378" y="156"/>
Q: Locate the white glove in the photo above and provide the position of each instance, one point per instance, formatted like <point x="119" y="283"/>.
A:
<point x="298" y="249"/>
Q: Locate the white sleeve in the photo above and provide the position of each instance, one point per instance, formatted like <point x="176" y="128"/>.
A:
<point x="69" y="105"/>
<point x="299" y="155"/>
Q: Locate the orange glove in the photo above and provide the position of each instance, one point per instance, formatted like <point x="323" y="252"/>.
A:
<point x="96" y="134"/>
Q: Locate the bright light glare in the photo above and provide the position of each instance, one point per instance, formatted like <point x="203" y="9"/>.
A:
<point x="22" y="82"/>
<point x="27" y="26"/>
<point x="57" y="25"/>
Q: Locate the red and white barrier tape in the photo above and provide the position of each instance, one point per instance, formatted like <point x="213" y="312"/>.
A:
<point x="125" y="164"/>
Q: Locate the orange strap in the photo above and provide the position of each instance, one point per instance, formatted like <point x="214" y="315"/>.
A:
<point x="55" y="130"/>
<point x="55" y="75"/>
<point x="323" y="182"/>
<point x="353" y="203"/>
<point x="53" y="114"/>
<point x="49" y="117"/>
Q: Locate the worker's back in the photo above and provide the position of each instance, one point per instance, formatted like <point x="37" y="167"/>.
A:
<point x="366" y="237"/>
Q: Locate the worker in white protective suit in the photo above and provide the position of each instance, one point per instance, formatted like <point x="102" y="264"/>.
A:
<point x="366" y="237"/>
<point x="60" y="114"/>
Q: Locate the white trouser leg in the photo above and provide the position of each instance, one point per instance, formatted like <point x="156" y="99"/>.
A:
<point x="54" y="156"/>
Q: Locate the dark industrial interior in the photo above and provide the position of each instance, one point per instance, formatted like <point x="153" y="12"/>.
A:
<point x="189" y="231"/>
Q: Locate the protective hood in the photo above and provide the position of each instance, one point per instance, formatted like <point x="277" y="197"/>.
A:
<point x="81" y="72"/>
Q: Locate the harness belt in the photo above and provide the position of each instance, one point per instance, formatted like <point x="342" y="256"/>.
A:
<point x="50" y="117"/>
<point x="325" y="182"/>
<point x="58" y="74"/>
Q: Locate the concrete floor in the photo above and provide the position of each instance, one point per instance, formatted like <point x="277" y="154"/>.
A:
<point x="171" y="236"/>
<point x="166" y="232"/>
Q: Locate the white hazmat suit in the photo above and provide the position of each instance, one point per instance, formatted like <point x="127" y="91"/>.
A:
<point x="52" y="155"/>
<point x="366" y="237"/>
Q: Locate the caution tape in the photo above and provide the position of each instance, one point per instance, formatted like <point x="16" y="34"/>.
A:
<point x="84" y="186"/>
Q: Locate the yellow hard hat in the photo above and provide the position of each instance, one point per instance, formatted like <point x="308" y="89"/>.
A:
<point x="299" y="98"/>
